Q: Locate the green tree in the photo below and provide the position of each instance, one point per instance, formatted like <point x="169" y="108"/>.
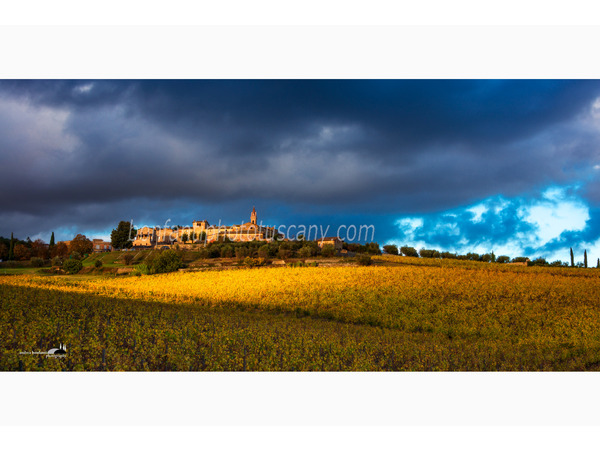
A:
<point x="390" y="249"/>
<point x="585" y="259"/>
<point x="488" y="257"/>
<point x="539" y="262"/>
<point x="305" y="252"/>
<point x="122" y="236"/>
<point x="185" y="237"/>
<point x="409" y="251"/>
<point x="285" y="252"/>
<point x="572" y="257"/>
<point x="448" y="255"/>
<point x="227" y="251"/>
<point x="502" y="259"/>
<point x="51" y="241"/>
<point x="263" y="251"/>
<point x="598" y="264"/>
<point x="242" y="252"/>
<point x="167" y="261"/>
<point x="72" y="266"/>
<point x="425" y="253"/>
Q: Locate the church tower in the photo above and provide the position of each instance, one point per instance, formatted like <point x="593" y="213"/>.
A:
<point x="253" y="216"/>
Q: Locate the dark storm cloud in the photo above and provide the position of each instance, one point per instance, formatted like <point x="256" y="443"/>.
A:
<point x="380" y="147"/>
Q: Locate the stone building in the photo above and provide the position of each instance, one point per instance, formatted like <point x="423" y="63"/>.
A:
<point x="101" y="246"/>
<point x="202" y="231"/>
<point x="335" y="241"/>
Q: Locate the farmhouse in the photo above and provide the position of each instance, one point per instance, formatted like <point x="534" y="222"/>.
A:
<point x="101" y="246"/>
<point x="335" y="241"/>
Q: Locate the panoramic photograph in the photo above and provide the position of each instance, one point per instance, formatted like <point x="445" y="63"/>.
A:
<point x="299" y="225"/>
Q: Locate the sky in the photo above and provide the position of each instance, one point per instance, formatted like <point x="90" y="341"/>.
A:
<point x="510" y="166"/>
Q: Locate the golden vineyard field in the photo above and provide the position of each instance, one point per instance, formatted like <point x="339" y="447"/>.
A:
<point x="404" y="317"/>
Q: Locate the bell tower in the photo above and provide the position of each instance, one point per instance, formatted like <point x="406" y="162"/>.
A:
<point x="253" y="216"/>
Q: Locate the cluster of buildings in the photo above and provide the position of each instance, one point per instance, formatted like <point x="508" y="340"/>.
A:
<point x="201" y="230"/>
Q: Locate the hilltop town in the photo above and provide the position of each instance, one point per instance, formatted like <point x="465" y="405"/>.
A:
<point x="202" y="231"/>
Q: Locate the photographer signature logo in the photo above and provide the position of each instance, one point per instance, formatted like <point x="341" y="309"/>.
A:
<point x="59" y="352"/>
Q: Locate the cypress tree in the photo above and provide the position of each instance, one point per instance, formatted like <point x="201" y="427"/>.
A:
<point x="572" y="258"/>
<point x="585" y="259"/>
<point x="51" y="240"/>
<point x="11" y="249"/>
<point x="598" y="264"/>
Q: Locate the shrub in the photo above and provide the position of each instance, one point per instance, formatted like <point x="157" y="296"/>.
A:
<point x="538" y="262"/>
<point x="214" y="251"/>
<point x="98" y="264"/>
<point x="127" y="258"/>
<point x="297" y="264"/>
<point x="284" y="253"/>
<point x="72" y="266"/>
<point x="254" y="262"/>
<point x="364" y="260"/>
<point x="75" y="255"/>
<point x="203" y="253"/>
<point x="226" y="251"/>
<point x="242" y="252"/>
<point x="328" y="250"/>
<point x="305" y="252"/>
<point x="57" y="261"/>
<point x="142" y="269"/>
<point x="167" y="261"/>
<point x="37" y="262"/>
<point x="264" y="251"/>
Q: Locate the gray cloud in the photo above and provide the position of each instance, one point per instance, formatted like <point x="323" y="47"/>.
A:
<point x="383" y="148"/>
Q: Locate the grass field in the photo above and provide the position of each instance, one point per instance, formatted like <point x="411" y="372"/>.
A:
<point x="398" y="315"/>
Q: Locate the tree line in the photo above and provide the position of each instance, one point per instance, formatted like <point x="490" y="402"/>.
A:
<point x="487" y="257"/>
<point x="39" y="253"/>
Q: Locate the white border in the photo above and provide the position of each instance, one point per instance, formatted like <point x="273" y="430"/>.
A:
<point x="299" y="399"/>
<point x="299" y="52"/>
